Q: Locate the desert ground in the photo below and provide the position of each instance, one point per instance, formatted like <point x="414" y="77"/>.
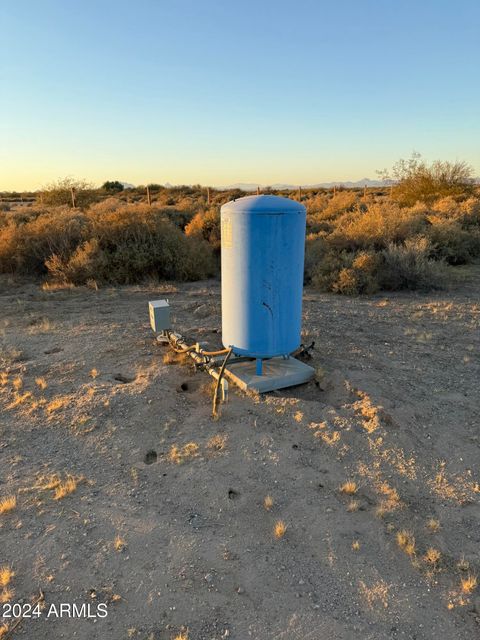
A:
<point x="127" y="492"/>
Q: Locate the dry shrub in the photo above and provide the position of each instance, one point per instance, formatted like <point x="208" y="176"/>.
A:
<point x="361" y="277"/>
<point x="451" y="242"/>
<point x="419" y="181"/>
<point x="408" y="266"/>
<point x="25" y="247"/>
<point x="381" y="224"/>
<point x="130" y="244"/>
<point x="332" y="208"/>
<point x="60" y="193"/>
<point x="206" y="226"/>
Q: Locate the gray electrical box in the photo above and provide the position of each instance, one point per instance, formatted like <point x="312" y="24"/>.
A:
<point x="159" y="315"/>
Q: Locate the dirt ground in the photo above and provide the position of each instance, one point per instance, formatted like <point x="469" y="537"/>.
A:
<point x="183" y="543"/>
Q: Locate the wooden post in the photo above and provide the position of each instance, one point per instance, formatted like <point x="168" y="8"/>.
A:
<point x="365" y="191"/>
<point x="149" y="199"/>
<point x="391" y="190"/>
<point x="300" y="193"/>
<point x="258" y="191"/>
<point x="334" y="190"/>
<point x="208" y="195"/>
<point x="72" y="191"/>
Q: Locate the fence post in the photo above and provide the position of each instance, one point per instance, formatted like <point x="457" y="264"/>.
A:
<point x="258" y="191"/>
<point x="300" y="193"/>
<point x="365" y="191"/>
<point x="208" y="195"/>
<point x="72" y="191"/>
<point x="334" y="190"/>
<point x="149" y="199"/>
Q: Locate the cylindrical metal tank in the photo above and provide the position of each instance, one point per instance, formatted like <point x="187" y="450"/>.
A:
<point x="263" y="250"/>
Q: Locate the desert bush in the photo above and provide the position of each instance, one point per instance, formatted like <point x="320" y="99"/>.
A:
<point x="323" y="208"/>
<point x="361" y="277"/>
<point x="409" y="266"/>
<point x="112" y="185"/>
<point x="322" y="264"/>
<point x="59" y="193"/>
<point x="418" y="181"/>
<point x="378" y="226"/>
<point x="25" y="246"/>
<point x="206" y="226"/>
<point x="130" y="244"/>
<point x="453" y="243"/>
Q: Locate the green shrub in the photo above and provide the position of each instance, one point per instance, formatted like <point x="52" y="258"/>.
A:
<point x="113" y="185"/>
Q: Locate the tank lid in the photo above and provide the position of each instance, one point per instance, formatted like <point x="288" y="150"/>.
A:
<point x="263" y="204"/>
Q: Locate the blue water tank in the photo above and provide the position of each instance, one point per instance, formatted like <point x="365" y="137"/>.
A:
<point x="263" y="249"/>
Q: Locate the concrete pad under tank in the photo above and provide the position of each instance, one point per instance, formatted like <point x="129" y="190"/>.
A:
<point x="278" y="373"/>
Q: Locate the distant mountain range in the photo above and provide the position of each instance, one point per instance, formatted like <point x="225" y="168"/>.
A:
<point x="250" y="186"/>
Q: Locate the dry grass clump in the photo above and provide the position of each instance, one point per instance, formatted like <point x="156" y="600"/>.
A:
<point x="329" y="437"/>
<point x="355" y="545"/>
<point x="433" y="525"/>
<point x="3" y="630"/>
<point x="6" y="574"/>
<point x="268" y="502"/>
<point x="65" y="488"/>
<point x="41" y="383"/>
<point x="279" y="529"/>
<point x="183" y="635"/>
<point x="349" y="487"/>
<point x="217" y="442"/>
<point x="469" y="583"/>
<point x="57" y="404"/>
<point x="19" y="399"/>
<point x="406" y="542"/>
<point x="179" y="455"/>
<point x="432" y="556"/>
<point x="7" y="504"/>
<point x="119" y="543"/>
<point x="7" y="594"/>
<point x="390" y="502"/>
<point x="376" y="594"/>
<point x="353" y="506"/>
<point x="46" y="482"/>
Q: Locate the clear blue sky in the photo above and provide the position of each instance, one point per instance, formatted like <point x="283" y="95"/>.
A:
<point x="216" y="91"/>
